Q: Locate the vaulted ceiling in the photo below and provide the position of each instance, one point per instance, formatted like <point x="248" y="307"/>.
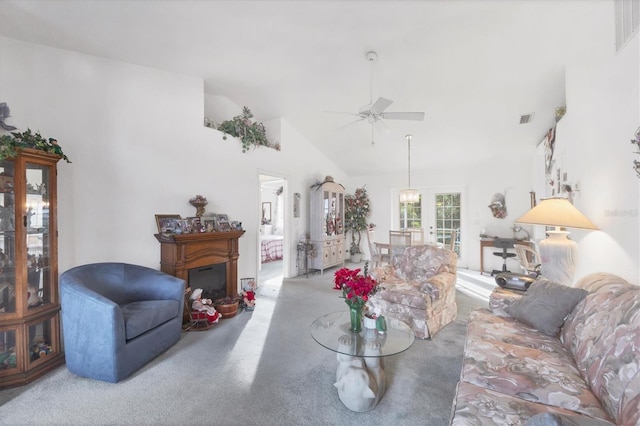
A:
<point x="472" y="66"/>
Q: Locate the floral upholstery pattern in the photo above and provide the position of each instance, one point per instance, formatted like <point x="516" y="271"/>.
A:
<point x="419" y="290"/>
<point x="604" y="337"/>
<point x="501" y="298"/>
<point x="589" y="375"/>
<point x="477" y="406"/>
<point x="529" y="372"/>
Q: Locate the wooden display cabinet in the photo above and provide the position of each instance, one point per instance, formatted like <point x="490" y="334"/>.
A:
<point x="30" y="342"/>
<point x="327" y="225"/>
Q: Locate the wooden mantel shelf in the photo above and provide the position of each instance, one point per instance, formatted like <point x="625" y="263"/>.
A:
<point x="181" y="252"/>
<point x="197" y="236"/>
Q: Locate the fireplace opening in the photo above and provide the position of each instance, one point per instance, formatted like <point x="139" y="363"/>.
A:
<point x="211" y="279"/>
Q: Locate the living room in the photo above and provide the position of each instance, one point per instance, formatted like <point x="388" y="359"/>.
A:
<point x="138" y="147"/>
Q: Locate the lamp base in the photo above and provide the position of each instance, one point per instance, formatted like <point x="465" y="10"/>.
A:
<point x="558" y="256"/>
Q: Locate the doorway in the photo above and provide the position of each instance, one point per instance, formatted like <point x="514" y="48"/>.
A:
<point x="438" y="212"/>
<point x="443" y="214"/>
<point x="272" y="230"/>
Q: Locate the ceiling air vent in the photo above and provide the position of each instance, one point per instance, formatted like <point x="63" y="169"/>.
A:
<point x="526" y="118"/>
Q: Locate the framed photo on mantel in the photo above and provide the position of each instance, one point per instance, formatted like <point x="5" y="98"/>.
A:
<point x="167" y="223"/>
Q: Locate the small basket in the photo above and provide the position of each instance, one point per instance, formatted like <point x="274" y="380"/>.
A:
<point x="227" y="310"/>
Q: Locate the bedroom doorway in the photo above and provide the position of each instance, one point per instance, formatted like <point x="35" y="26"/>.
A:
<point x="271" y="235"/>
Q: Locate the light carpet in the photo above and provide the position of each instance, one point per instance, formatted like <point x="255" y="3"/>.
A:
<point x="258" y="368"/>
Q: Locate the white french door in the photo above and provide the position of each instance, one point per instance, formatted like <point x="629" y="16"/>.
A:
<point x="443" y="211"/>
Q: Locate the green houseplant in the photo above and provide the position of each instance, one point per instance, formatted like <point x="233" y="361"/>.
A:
<point x="356" y="212"/>
<point x="251" y="133"/>
<point x="12" y="142"/>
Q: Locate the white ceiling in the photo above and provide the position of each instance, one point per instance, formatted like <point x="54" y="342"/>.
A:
<point x="472" y="66"/>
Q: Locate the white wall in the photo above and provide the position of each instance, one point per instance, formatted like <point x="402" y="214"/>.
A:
<point x="510" y="176"/>
<point x="139" y="148"/>
<point x="593" y="145"/>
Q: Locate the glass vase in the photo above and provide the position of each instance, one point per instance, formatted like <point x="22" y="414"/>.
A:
<point x="355" y="313"/>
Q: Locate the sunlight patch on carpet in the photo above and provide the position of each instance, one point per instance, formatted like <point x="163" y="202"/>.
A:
<point x="245" y="356"/>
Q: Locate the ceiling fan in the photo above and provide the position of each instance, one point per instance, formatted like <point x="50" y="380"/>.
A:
<point x="374" y="112"/>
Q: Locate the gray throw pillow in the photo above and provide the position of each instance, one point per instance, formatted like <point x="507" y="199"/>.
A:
<point x="545" y="305"/>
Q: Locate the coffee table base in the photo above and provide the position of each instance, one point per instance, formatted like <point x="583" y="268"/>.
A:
<point x="360" y="380"/>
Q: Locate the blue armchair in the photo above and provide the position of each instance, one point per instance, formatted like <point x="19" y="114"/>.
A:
<point x="116" y="317"/>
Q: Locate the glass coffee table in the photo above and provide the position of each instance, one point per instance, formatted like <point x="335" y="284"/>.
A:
<point x="360" y="377"/>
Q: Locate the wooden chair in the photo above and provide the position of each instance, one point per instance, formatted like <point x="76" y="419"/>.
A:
<point x="417" y="236"/>
<point x="452" y="241"/>
<point x="529" y="258"/>
<point x="193" y="320"/>
<point x="379" y="251"/>
<point x="398" y="242"/>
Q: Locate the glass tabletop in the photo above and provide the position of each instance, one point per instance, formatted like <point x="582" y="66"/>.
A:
<point x="332" y="332"/>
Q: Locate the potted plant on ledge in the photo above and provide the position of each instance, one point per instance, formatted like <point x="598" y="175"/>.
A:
<point x="355" y="217"/>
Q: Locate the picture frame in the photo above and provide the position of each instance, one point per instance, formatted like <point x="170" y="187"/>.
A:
<point x="195" y="224"/>
<point x="167" y="223"/>
<point x="223" y="227"/>
<point x="222" y="218"/>
<point x="235" y="225"/>
<point x="296" y="205"/>
<point x="266" y="212"/>
<point x="208" y="223"/>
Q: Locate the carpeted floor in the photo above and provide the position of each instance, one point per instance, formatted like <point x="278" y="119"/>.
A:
<point x="258" y="368"/>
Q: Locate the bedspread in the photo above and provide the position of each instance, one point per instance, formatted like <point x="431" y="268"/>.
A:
<point x="271" y="248"/>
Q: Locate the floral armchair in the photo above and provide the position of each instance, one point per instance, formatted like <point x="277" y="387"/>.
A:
<point x="418" y="289"/>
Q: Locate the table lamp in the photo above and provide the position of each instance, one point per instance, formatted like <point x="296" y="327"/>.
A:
<point x="557" y="252"/>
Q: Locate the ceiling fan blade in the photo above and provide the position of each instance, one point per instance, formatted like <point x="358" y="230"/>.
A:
<point x="380" y="105"/>
<point x="381" y="127"/>
<point x="417" y="116"/>
<point x="342" y="112"/>
<point x="349" y="124"/>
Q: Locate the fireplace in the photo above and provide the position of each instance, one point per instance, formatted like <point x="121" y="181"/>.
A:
<point x="211" y="279"/>
<point x="189" y="256"/>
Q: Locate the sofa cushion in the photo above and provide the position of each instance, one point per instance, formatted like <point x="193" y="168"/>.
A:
<point x="537" y="372"/>
<point x="545" y="305"/>
<point x="422" y="262"/>
<point x="554" y="419"/>
<point x="474" y="405"/>
<point x="407" y="293"/>
<point x="145" y="315"/>
<point x="485" y="325"/>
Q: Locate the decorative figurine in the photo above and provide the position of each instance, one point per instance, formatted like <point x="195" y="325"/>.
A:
<point x="204" y="305"/>
<point x="248" y="294"/>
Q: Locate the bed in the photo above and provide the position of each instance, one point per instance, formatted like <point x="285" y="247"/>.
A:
<point x="271" y="248"/>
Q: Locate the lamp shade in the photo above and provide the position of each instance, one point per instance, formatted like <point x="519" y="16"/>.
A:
<point x="409" y="196"/>
<point x="556" y="212"/>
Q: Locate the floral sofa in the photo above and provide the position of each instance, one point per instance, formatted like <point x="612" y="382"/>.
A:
<point x="418" y="289"/>
<point x="582" y="370"/>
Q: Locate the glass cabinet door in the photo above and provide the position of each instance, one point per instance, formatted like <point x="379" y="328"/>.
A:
<point x="37" y="225"/>
<point x="7" y="239"/>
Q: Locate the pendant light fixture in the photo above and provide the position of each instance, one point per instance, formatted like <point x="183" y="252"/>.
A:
<point x="409" y="195"/>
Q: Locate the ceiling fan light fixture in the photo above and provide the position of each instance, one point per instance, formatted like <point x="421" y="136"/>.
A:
<point x="409" y="196"/>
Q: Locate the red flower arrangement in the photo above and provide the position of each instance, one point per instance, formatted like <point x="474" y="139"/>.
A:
<point x="356" y="288"/>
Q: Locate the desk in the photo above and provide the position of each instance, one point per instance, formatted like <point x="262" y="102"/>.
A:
<point x="489" y="242"/>
<point x="360" y="355"/>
